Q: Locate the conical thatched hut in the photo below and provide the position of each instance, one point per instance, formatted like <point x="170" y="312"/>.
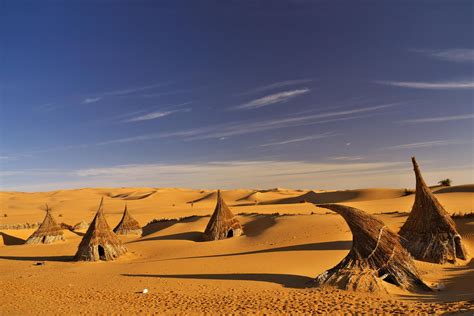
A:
<point x="99" y="242"/>
<point x="128" y="225"/>
<point x="48" y="232"/>
<point x="81" y="225"/>
<point x="376" y="257"/>
<point x="429" y="233"/>
<point x="223" y="223"/>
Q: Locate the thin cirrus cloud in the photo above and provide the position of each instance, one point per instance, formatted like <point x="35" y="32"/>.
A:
<point x="440" y="119"/>
<point x="155" y="115"/>
<point x="276" y="85"/>
<point x="91" y="100"/>
<point x="121" y="92"/>
<point x="299" y="140"/>
<point x="279" y="97"/>
<point x="245" y="127"/>
<point x="433" y="143"/>
<point x="446" y="85"/>
<point x="454" y="54"/>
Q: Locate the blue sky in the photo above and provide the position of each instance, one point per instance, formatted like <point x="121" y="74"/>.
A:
<point x="208" y="94"/>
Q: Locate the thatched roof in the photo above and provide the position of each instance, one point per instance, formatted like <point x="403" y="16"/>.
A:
<point x="99" y="242"/>
<point x="127" y="225"/>
<point x="81" y="225"/>
<point x="48" y="232"/>
<point x="430" y="233"/>
<point x="223" y="223"/>
<point x="376" y="257"/>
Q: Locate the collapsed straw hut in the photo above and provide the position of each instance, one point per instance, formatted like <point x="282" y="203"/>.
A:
<point x="376" y="256"/>
<point x="128" y="225"/>
<point x="48" y="232"/>
<point x="99" y="242"/>
<point x="223" y="223"/>
<point x="429" y="233"/>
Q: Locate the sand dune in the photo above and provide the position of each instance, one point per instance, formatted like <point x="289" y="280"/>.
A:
<point x="267" y="269"/>
<point x="341" y="196"/>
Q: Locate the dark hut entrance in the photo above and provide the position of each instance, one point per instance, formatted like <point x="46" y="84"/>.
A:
<point x="458" y="247"/>
<point x="230" y="233"/>
<point x="101" y="252"/>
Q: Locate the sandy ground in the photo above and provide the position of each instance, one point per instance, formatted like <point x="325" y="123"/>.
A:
<point x="267" y="270"/>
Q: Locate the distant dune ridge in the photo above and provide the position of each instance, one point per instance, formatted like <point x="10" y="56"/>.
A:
<point x="429" y="233"/>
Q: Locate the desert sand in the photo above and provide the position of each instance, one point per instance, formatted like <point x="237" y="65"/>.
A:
<point x="287" y="242"/>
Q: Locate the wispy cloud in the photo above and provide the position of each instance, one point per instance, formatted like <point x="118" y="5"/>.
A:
<point x="347" y="158"/>
<point x="298" y="140"/>
<point x="246" y="127"/>
<point x="433" y="143"/>
<point x="455" y="54"/>
<point x="91" y="100"/>
<point x="131" y="90"/>
<point x="279" y="97"/>
<point x="277" y="85"/>
<point x="155" y="115"/>
<point x="447" y="85"/>
<point x="440" y="119"/>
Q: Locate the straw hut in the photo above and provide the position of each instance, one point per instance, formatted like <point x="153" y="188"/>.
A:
<point x="376" y="256"/>
<point x="430" y="233"/>
<point x="223" y="223"/>
<point x="99" y="242"/>
<point x="48" y="232"/>
<point x="128" y="225"/>
<point x="81" y="225"/>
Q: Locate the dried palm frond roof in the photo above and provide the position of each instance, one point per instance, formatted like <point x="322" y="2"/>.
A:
<point x="376" y="256"/>
<point x="99" y="242"/>
<point x="429" y="232"/>
<point x="127" y="225"/>
<point x="48" y="232"/>
<point x="223" y="223"/>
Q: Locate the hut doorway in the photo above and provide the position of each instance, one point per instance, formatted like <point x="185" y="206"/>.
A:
<point x="230" y="233"/>
<point x="458" y="247"/>
<point x="101" y="252"/>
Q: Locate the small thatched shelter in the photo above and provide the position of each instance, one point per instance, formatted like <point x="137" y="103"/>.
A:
<point x="128" y="225"/>
<point x="223" y="223"/>
<point x="99" y="242"/>
<point x="376" y="257"/>
<point x="430" y="233"/>
<point x="48" y="232"/>
<point x="81" y="225"/>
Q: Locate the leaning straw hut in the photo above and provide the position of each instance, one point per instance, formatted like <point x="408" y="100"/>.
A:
<point x="429" y="233"/>
<point x="223" y="223"/>
<point x="128" y="225"/>
<point x="376" y="257"/>
<point x="48" y="232"/>
<point x="99" y="242"/>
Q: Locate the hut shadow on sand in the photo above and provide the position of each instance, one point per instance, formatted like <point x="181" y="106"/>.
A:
<point x="40" y="258"/>
<point x="286" y="280"/>
<point x="9" y="240"/>
<point x="328" y="245"/>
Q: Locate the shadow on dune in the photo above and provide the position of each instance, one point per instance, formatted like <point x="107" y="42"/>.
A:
<point x="77" y="233"/>
<point x="287" y="280"/>
<point x="9" y="240"/>
<point x="329" y="245"/>
<point x="259" y="225"/>
<point x="151" y="228"/>
<point x="457" y="288"/>
<point x="51" y="258"/>
<point x="191" y="236"/>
